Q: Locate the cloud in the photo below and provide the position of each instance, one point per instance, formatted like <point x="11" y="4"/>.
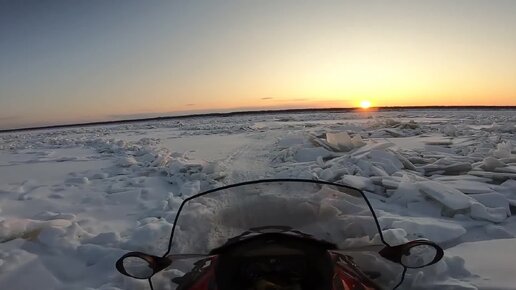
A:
<point x="267" y="98"/>
<point x="189" y="105"/>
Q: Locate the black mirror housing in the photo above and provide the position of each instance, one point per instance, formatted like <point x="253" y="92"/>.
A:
<point x="397" y="253"/>
<point x="155" y="263"/>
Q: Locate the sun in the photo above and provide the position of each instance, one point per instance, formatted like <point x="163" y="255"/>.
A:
<point x="365" y="104"/>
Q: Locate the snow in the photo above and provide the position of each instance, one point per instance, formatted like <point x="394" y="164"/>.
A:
<point x="72" y="201"/>
<point x="491" y="262"/>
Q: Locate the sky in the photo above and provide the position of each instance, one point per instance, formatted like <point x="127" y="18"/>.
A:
<point x="68" y="61"/>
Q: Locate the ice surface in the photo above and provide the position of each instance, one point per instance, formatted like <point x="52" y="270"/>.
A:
<point x="74" y="200"/>
<point x="491" y="261"/>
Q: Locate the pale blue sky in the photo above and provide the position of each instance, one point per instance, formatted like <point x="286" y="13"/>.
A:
<point x="74" y="61"/>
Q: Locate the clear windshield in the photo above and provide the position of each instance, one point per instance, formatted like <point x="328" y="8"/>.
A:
<point x="333" y="213"/>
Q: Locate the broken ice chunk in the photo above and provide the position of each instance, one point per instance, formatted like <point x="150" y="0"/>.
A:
<point x="503" y="150"/>
<point x="311" y="154"/>
<point x="439" y="231"/>
<point x="479" y="211"/>
<point x="341" y="141"/>
<point x="493" y="200"/>
<point x="501" y="176"/>
<point x="190" y="188"/>
<point x="360" y="182"/>
<point x="406" y="163"/>
<point x="449" y="166"/>
<point x="468" y="186"/>
<point x="126" y="161"/>
<point x="449" y="130"/>
<point x="507" y="169"/>
<point x="490" y="163"/>
<point x="449" y="197"/>
<point x="357" y="141"/>
<point x="385" y="159"/>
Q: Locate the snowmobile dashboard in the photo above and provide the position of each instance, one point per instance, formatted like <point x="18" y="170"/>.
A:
<point x="286" y="239"/>
<point x="274" y="261"/>
<point x="273" y="250"/>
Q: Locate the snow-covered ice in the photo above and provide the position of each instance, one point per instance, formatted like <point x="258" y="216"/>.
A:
<point x="72" y="201"/>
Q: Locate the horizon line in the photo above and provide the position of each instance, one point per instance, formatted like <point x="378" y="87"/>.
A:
<point x="248" y="112"/>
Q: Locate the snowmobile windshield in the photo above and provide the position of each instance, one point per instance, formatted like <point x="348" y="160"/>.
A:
<point x="328" y="212"/>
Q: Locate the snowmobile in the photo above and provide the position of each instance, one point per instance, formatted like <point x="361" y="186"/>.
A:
<point x="279" y="234"/>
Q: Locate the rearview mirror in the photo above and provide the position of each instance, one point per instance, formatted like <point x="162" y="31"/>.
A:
<point x="414" y="254"/>
<point x="138" y="267"/>
<point x="420" y="255"/>
<point x="141" y="266"/>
